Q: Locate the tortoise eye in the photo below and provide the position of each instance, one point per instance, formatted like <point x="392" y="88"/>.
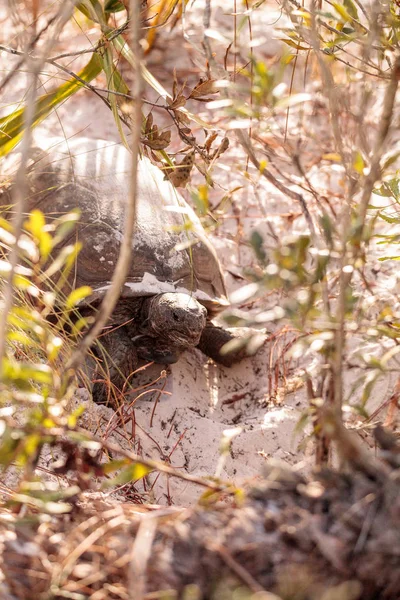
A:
<point x="175" y="316"/>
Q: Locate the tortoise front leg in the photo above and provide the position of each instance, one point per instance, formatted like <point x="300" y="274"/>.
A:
<point x="119" y="360"/>
<point x="211" y="341"/>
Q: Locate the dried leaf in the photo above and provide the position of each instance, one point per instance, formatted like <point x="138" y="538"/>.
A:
<point x="209" y="141"/>
<point x="181" y="174"/>
<point x="187" y="135"/>
<point x="204" y="88"/>
<point x="157" y="144"/>
<point x="149" y="123"/>
<point x="177" y="102"/>
<point x="182" y="117"/>
<point x="166" y="136"/>
<point x="223" y="147"/>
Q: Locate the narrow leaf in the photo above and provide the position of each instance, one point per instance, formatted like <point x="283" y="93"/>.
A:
<point x="12" y="125"/>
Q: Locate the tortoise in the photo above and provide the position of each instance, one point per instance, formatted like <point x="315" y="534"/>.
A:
<point x="175" y="284"/>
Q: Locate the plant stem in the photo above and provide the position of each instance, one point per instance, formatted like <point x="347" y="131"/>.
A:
<point x="122" y="267"/>
<point x="21" y="186"/>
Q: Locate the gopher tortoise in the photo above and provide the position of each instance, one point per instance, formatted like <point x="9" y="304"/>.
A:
<point x="175" y="285"/>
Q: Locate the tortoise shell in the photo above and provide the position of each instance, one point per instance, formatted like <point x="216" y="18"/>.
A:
<point x="170" y="251"/>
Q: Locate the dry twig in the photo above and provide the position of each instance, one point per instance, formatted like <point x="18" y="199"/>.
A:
<point x="122" y="266"/>
<point x="20" y="189"/>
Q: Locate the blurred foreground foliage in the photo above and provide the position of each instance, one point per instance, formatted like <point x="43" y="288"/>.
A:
<point x="43" y="326"/>
<point x="328" y="283"/>
<point x="322" y="280"/>
<point x="323" y="273"/>
<point x="42" y="329"/>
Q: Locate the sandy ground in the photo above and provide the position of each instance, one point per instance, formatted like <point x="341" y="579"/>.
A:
<point x="199" y="401"/>
<point x="184" y="425"/>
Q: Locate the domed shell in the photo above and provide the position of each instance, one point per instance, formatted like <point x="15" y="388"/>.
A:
<point x="170" y="251"/>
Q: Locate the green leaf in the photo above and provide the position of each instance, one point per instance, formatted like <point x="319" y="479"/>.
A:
<point x="93" y="10"/>
<point x="119" y="82"/>
<point x="54" y="508"/>
<point x="358" y="163"/>
<point x="328" y="228"/>
<point x="113" y="6"/>
<point x="53" y="347"/>
<point x="294" y="44"/>
<point x="31" y="444"/>
<point x="115" y="465"/>
<point x="26" y="320"/>
<point x="36" y="225"/>
<point x="12" y="125"/>
<point x="77" y="327"/>
<point x="342" y="11"/>
<point x="21" y="372"/>
<point x="200" y="199"/>
<point x="77" y="295"/>
<point x="4" y="224"/>
<point x="383" y="191"/>
<point x="351" y="8"/>
<point x="209" y="497"/>
<point x="302" y="423"/>
<point x="114" y="83"/>
<point x="395" y="220"/>
<point x="133" y="472"/>
<point x="66" y="257"/>
<point x="257" y="242"/>
<point x="23" y="283"/>
<point x="348" y="30"/>
<point x="370" y="382"/>
<point x="65" y="225"/>
<point x="383" y="258"/>
<point x="389" y="159"/>
<point x="73" y="418"/>
<point x="21" y="338"/>
<point x="389" y="188"/>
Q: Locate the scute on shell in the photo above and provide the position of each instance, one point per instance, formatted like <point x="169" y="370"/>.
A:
<point x="94" y="176"/>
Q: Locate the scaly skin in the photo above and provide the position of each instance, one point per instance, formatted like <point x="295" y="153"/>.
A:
<point x="157" y="328"/>
<point x="211" y="341"/>
<point x="169" y="324"/>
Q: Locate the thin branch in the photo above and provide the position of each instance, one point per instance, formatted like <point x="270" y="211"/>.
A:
<point x="336" y="31"/>
<point x="245" y="142"/>
<point x="20" y="189"/>
<point x="11" y="74"/>
<point x="361" y="7"/>
<point x="365" y="58"/>
<point x="100" y="44"/>
<point x="26" y="54"/>
<point x="330" y="92"/>
<point x="86" y="84"/>
<point x="238" y="569"/>
<point x="360" y="69"/>
<point x="353" y="19"/>
<point x="122" y="267"/>
<point x="379" y="144"/>
<point x="244" y="138"/>
<point x="350" y="262"/>
<point x="153" y="465"/>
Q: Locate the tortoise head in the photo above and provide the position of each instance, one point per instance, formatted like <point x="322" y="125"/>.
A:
<point x="173" y="322"/>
